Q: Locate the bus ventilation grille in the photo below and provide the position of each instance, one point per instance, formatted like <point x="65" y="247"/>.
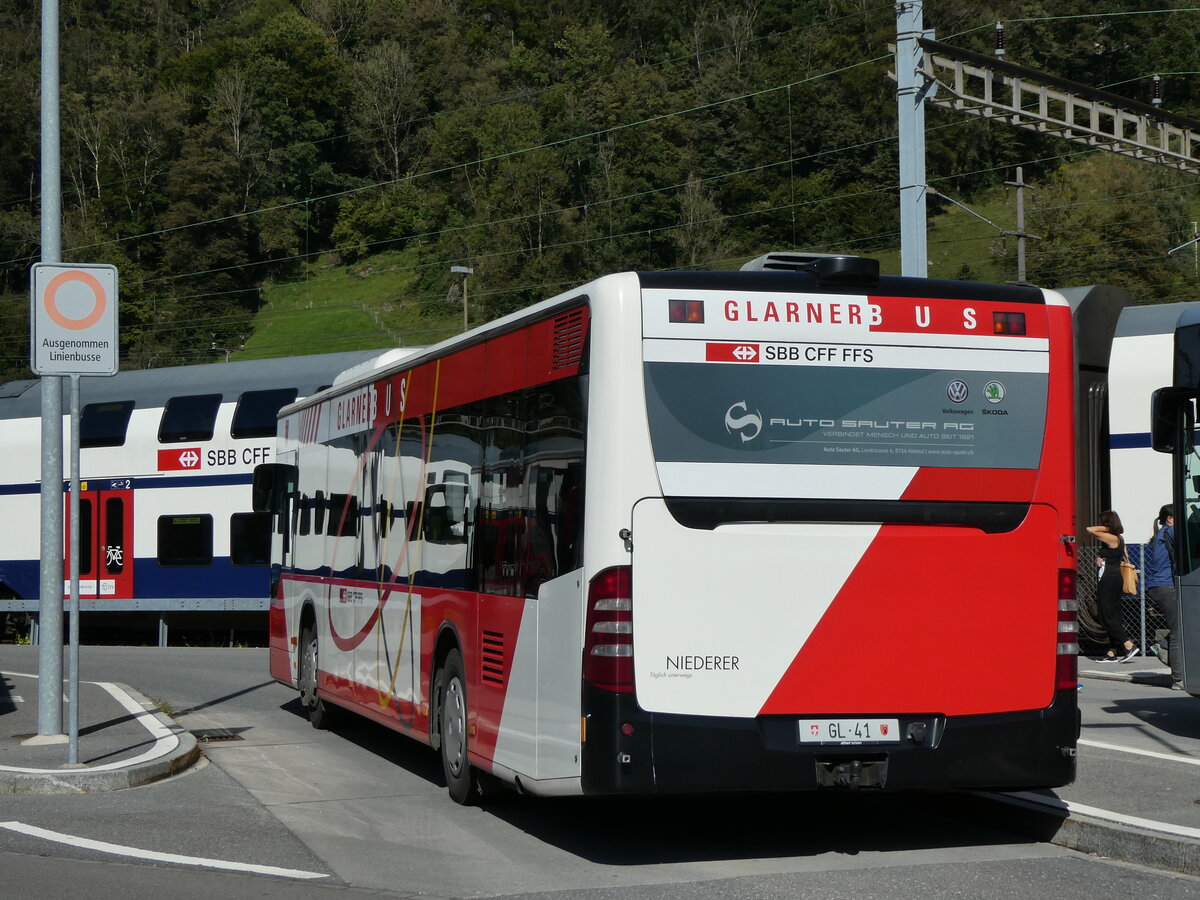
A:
<point x="569" y="330"/>
<point x="493" y="657"/>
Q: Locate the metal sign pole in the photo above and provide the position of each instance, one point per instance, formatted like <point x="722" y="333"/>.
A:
<point x="50" y="605"/>
<point x="76" y="505"/>
<point x="910" y="105"/>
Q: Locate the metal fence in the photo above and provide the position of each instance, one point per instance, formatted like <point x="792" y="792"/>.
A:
<point x="1143" y="622"/>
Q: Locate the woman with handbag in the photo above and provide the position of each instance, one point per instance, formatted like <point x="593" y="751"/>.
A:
<point x="1108" y="593"/>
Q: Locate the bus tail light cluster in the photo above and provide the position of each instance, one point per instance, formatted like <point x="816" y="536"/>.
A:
<point x="1008" y="323"/>
<point x="1066" y="671"/>
<point x="686" y="311"/>
<point x="608" y="631"/>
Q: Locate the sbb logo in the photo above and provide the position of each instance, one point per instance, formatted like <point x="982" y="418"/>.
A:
<point x="180" y="459"/>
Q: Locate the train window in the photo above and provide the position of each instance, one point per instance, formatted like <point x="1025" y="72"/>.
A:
<point x="86" y="537"/>
<point x="104" y="424"/>
<point x="189" y="418"/>
<point x="255" y="414"/>
<point x="250" y="539"/>
<point x="114" y="535"/>
<point x="185" y="540"/>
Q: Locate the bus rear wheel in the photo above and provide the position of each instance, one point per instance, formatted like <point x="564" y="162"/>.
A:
<point x="321" y="715"/>
<point x="452" y="730"/>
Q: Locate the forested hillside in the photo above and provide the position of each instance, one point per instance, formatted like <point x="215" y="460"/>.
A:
<point x="214" y="150"/>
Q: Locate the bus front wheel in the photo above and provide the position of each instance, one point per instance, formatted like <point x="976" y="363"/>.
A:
<point x="452" y="729"/>
<point x="320" y="714"/>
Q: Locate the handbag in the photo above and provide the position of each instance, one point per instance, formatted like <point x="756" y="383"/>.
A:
<point x="1129" y="575"/>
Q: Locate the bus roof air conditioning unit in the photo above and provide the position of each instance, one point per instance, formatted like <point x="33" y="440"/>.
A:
<point x="829" y="268"/>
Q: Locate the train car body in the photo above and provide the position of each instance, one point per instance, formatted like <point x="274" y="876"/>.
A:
<point x="166" y="460"/>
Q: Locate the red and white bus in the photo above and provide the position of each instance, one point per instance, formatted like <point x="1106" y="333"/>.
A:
<point x="699" y="531"/>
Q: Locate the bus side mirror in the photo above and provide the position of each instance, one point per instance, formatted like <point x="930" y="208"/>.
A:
<point x="273" y="484"/>
<point x="1170" y="417"/>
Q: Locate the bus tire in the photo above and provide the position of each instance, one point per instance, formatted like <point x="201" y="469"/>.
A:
<point x="452" y="730"/>
<point x="320" y="714"/>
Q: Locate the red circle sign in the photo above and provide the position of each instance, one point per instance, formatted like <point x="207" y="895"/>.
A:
<point x="57" y="316"/>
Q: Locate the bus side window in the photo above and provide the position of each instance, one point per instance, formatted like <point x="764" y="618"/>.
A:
<point x="500" y="544"/>
<point x="446" y="513"/>
<point x="554" y="482"/>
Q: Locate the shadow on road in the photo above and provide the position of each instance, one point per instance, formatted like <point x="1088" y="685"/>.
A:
<point x="639" y="831"/>
<point x="1174" y="713"/>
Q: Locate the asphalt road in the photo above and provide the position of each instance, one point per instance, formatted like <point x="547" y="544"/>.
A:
<point x="365" y="812"/>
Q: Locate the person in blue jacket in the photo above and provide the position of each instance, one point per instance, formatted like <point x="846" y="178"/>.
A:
<point x="1160" y="588"/>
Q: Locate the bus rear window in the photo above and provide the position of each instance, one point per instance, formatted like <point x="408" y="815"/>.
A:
<point x="826" y="415"/>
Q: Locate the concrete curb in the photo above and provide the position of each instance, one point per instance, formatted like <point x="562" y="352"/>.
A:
<point x="1153" y="678"/>
<point x="1049" y="819"/>
<point x="85" y="781"/>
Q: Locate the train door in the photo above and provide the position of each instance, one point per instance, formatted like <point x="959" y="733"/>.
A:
<point x="105" y="541"/>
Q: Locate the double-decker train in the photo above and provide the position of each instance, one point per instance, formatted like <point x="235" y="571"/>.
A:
<point x="168" y="539"/>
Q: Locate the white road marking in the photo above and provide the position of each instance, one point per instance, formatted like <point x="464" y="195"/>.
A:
<point x="164" y="740"/>
<point x="1170" y="757"/>
<point x="1106" y="814"/>
<point x="121" y="850"/>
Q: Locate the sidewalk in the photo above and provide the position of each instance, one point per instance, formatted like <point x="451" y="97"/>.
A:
<point x="123" y="741"/>
<point x="1136" y="794"/>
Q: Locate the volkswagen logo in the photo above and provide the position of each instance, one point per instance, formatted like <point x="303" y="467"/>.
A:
<point x="957" y="391"/>
<point x="748" y="425"/>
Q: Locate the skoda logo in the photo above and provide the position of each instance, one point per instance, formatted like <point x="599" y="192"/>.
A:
<point x="748" y="425"/>
<point x="993" y="392"/>
<point x="957" y="391"/>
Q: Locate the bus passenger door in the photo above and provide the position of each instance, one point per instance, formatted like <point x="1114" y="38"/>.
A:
<point x="105" y="541"/>
<point x="1187" y="563"/>
<point x="1175" y="429"/>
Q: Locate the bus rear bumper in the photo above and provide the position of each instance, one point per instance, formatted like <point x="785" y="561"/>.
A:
<point x="632" y="751"/>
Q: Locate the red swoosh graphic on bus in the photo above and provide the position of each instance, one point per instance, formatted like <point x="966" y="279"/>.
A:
<point x="965" y="592"/>
<point x="353" y="641"/>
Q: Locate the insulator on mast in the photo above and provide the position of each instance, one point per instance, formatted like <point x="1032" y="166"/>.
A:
<point x="999" y="38"/>
<point x="1156" y="97"/>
